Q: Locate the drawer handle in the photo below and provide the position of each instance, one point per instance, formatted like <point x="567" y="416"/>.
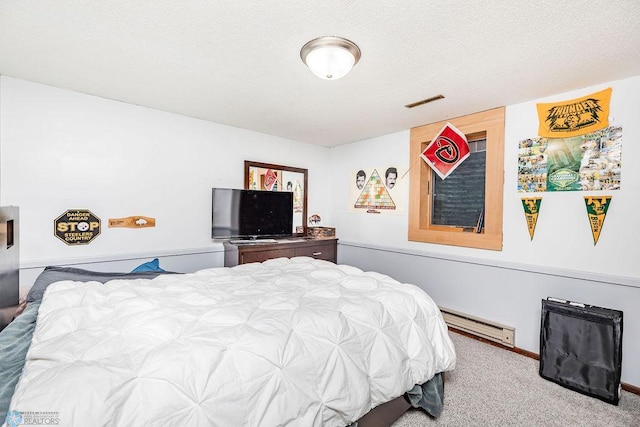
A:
<point x="317" y="253"/>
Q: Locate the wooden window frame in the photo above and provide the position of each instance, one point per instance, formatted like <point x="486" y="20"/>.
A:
<point x="490" y="123"/>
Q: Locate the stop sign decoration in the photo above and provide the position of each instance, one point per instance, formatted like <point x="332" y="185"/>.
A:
<point x="77" y="227"/>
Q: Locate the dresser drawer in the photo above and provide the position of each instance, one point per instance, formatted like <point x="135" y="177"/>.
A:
<point x="325" y="251"/>
<point x="260" y="256"/>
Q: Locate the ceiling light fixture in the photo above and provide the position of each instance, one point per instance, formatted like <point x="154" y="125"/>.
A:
<point x="329" y="57"/>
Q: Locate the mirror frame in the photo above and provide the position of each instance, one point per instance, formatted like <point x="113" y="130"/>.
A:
<point x="249" y="164"/>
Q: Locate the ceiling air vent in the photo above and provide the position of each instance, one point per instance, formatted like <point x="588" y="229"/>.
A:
<point x="424" y="101"/>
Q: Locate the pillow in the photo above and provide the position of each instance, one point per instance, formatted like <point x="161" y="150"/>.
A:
<point x="148" y="266"/>
<point x="56" y="274"/>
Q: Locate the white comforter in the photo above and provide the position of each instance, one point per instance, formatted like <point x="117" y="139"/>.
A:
<point x="287" y="342"/>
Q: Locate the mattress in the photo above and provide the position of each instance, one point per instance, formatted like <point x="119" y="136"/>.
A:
<point x="286" y="342"/>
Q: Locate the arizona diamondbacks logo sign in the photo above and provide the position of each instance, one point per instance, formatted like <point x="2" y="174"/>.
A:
<point x="447" y="151"/>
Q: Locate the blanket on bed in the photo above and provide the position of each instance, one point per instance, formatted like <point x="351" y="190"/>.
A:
<point x="289" y="341"/>
<point x="14" y="343"/>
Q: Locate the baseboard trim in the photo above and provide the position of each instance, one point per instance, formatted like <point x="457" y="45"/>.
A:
<point x="631" y="388"/>
<point x="626" y="387"/>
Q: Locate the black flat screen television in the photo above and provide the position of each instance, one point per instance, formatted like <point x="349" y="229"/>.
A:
<point x="251" y="214"/>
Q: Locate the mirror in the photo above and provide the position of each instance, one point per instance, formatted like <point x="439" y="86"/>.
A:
<point x="270" y="177"/>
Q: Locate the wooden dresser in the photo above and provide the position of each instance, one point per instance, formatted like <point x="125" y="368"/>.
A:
<point x="244" y="253"/>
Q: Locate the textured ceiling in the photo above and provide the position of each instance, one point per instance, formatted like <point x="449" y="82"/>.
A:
<point x="238" y="63"/>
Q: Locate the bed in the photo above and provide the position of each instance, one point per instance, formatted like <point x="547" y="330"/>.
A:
<point x="290" y="341"/>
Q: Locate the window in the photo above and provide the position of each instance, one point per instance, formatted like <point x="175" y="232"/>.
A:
<point x="465" y="209"/>
<point x="458" y="201"/>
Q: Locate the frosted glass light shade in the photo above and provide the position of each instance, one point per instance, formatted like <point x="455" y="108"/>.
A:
<point x="330" y="58"/>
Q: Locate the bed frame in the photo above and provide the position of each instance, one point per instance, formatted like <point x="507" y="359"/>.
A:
<point x="385" y="414"/>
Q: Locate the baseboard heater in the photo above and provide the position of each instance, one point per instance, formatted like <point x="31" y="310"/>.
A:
<point x="487" y="329"/>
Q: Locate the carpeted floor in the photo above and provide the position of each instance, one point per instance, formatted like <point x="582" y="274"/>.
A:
<point x="494" y="387"/>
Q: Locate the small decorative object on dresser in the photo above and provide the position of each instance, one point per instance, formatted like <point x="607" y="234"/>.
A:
<point x="321" y="232"/>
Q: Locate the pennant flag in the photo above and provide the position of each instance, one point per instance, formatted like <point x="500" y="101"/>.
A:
<point x="531" y="210"/>
<point x="574" y="117"/>
<point x="597" y="207"/>
<point x="447" y="151"/>
<point x="270" y="179"/>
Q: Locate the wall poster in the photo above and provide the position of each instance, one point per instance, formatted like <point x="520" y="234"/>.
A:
<point x="294" y="181"/>
<point x="376" y="190"/>
<point x="580" y="163"/>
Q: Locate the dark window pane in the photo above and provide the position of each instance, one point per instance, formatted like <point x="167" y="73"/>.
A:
<point x="459" y="199"/>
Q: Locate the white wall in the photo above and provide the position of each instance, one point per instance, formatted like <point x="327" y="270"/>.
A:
<point x="562" y="238"/>
<point x="64" y="150"/>
<point x="507" y="286"/>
